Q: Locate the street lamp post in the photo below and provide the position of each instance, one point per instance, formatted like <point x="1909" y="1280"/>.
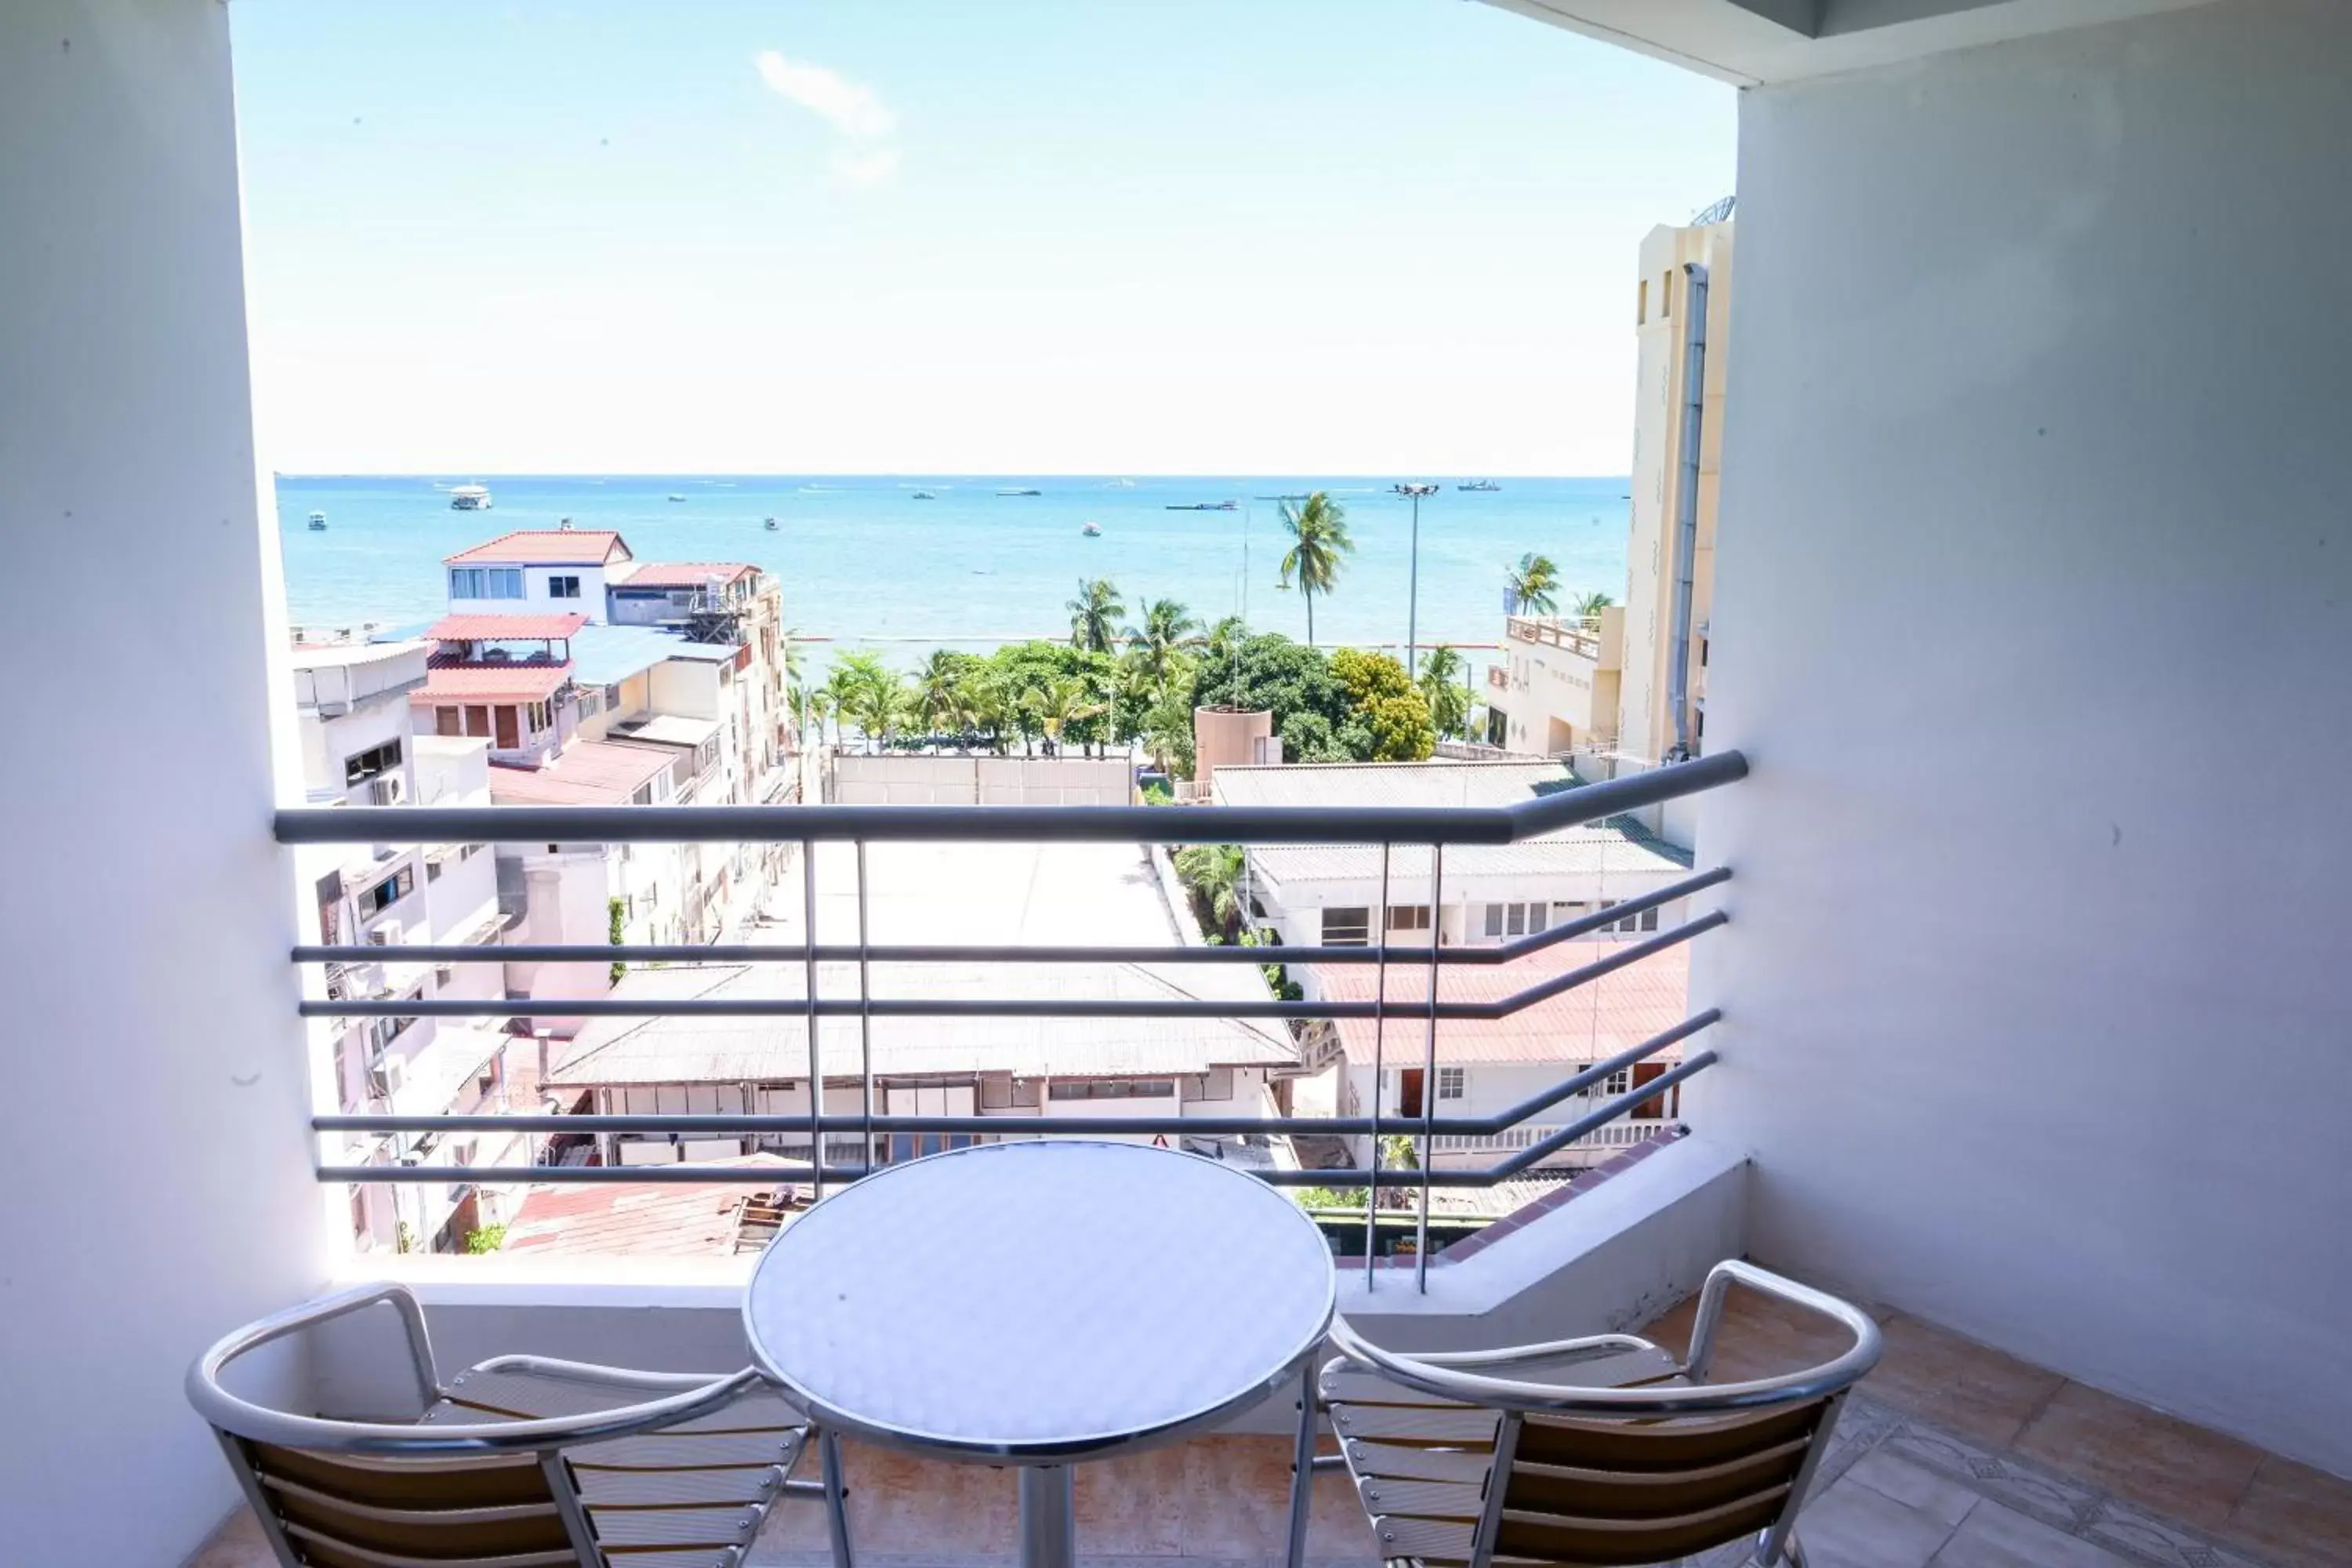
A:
<point x="1413" y="580"/>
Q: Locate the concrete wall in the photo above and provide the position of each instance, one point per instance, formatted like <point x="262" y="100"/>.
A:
<point x="901" y="780"/>
<point x="1223" y="737"/>
<point x="146" y="928"/>
<point x="2022" y="332"/>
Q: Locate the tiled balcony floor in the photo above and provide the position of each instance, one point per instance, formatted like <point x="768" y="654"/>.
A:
<point x="1950" y="1456"/>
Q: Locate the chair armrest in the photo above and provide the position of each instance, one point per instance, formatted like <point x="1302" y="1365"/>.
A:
<point x="590" y="1372"/>
<point x="1599" y="1345"/>
<point x="1736" y="1271"/>
<point x="204" y="1388"/>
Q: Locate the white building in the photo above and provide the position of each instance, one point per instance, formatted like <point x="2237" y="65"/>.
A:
<point x="359" y="747"/>
<point x="544" y="569"/>
<point x="1330" y="894"/>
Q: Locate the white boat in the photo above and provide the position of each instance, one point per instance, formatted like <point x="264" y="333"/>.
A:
<point x="469" y="498"/>
<point x="1092" y="531"/>
<point x="769" y="525"/>
<point x="318" y="522"/>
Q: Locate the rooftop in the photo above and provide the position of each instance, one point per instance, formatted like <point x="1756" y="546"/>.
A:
<point x="589" y="772"/>
<point x="505" y="628"/>
<point x="516" y="682"/>
<point x="545" y="547"/>
<point x="633" y="1221"/>
<point x="666" y="730"/>
<point x="606" y="656"/>
<point x="685" y="574"/>
<point x="1594" y="1021"/>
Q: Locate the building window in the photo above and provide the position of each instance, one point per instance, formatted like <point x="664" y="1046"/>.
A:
<point x="1516" y="919"/>
<point x="1665" y="294"/>
<point x="563" y="587"/>
<point x="1112" y="1088"/>
<point x="1642" y="304"/>
<point x="1217" y="1083"/>
<point x="1646" y="920"/>
<point x="1347" y="926"/>
<point x="1408" y="917"/>
<point x="447" y="722"/>
<point x="1617" y="1083"/>
<point x="485" y="582"/>
<point x="1452" y="1083"/>
<point x="376" y="760"/>
<point x="388" y="892"/>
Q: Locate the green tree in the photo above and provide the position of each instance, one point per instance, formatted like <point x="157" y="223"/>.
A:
<point x="1398" y="730"/>
<point x="1272" y="672"/>
<point x="1157" y="643"/>
<point x="616" y="931"/>
<point x="1534" y="582"/>
<point x="871" y="695"/>
<point x="1215" y="873"/>
<point x="944" y="697"/>
<point x="1365" y="676"/>
<point x="1319" y="546"/>
<point x="1060" y="703"/>
<point x="1442" y="688"/>
<point x="1094" y="615"/>
<point x="1588" y="606"/>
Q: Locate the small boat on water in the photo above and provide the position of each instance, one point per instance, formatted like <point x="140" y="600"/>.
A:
<point x="1479" y="485"/>
<point x="1205" y="506"/>
<point x="677" y="498"/>
<point x="1012" y="492"/>
<point x="1297" y="497"/>
<point x="469" y="497"/>
<point x="1121" y="485"/>
<point x="1092" y="531"/>
<point x="318" y="522"/>
<point x="769" y="525"/>
<point x="923" y="495"/>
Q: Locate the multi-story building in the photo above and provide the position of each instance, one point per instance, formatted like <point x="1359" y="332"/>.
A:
<point x="543" y="569"/>
<point x="359" y="746"/>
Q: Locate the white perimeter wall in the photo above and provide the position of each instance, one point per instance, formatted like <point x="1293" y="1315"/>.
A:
<point x="145" y="928"/>
<point x="887" y="779"/>
<point x="2035" y="468"/>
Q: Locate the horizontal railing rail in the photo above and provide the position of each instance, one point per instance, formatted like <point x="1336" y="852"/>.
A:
<point x="827" y="1129"/>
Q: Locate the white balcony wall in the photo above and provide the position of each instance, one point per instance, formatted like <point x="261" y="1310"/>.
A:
<point x="2035" y="1022"/>
<point x="146" y="928"/>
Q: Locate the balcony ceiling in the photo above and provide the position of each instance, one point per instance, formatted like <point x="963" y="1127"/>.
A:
<point x="1754" y="41"/>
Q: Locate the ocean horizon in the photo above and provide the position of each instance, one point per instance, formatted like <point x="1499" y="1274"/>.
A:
<point x="865" y="564"/>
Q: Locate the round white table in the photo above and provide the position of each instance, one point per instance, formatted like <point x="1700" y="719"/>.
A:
<point x="1041" y="1303"/>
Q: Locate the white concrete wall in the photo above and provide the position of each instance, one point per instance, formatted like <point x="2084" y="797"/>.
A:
<point x="887" y="779"/>
<point x="2049" y="333"/>
<point x="146" y="928"/>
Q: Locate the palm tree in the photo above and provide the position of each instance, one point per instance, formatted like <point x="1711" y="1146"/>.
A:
<point x="1319" y="546"/>
<point x="1061" y="701"/>
<point x="1094" y="615"/>
<point x="1215" y="873"/>
<point x="1440" y="684"/>
<point x="942" y="694"/>
<point x="1588" y="606"/>
<point x="1533" y="581"/>
<point x="840" y="694"/>
<point x="872" y="696"/>
<point x="1168" y="626"/>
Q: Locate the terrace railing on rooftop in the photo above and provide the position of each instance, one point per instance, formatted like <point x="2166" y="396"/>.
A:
<point x="1523" y="1130"/>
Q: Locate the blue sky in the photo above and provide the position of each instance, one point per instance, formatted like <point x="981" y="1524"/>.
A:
<point x="891" y="235"/>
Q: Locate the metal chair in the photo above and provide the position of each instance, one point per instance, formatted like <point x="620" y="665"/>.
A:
<point x="1638" y="1459"/>
<point x="519" y="1462"/>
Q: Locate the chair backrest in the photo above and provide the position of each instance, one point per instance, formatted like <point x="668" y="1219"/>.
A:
<point x="1638" y="1461"/>
<point x="476" y="1512"/>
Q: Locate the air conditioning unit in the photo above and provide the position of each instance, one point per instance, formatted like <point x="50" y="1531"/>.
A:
<point x="385" y="936"/>
<point x="385" y="790"/>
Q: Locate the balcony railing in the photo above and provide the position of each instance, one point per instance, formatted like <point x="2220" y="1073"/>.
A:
<point x="1519" y="1128"/>
<point x="1574" y="634"/>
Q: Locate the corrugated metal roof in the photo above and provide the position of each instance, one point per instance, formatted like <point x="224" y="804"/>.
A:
<point x="635" y="1219"/>
<point x="683" y="573"/>
<point x="505" y="628"/>
<point x="589" y="772"/>
<point x="772" y="1049"/>
<point x="666" y="730"/>
<point x="1589" y="1024"/>
<point x="546" y="547"/>
<point x="606" y="656"/>
<point x="516" y="682"/>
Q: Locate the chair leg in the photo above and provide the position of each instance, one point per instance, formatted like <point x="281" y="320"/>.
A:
<point x="837" y="1499"/>
<point x="1302" y="1469"/>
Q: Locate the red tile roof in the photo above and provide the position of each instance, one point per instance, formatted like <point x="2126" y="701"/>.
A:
<point x="547" y="547"/>
<point x="634" y="1219"/>
<point x="490" y="683"/>
<point x="589" y="772"/>
<point x="505" y="628"/>
<point x="684" y="573"/>
<point x="1597" y="1019"/>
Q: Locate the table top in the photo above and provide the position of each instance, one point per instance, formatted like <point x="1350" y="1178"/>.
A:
<point x="1039" y="1299"/>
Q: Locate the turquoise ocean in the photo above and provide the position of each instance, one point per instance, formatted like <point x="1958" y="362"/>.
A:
<point x="864" y="563"/>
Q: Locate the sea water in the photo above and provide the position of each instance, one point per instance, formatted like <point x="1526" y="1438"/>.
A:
<point x="864" y="563"/>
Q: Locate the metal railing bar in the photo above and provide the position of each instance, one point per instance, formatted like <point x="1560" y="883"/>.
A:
<point x="809" y="999"/>
<point x="933" y="952"/>
<point x="1002" y="824"/>
<point x="864" y="1009"/>
<point x="991" y="1007"/>
<point x="1622" y="1106"/>
<point x="1536" y="1105"/>
<point x="1379" y="1082"/>
<point x="1429" y="1066"/>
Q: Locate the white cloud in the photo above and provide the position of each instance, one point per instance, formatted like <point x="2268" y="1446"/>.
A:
<point x="864" y="168"/>
<point x="849" y="107"/>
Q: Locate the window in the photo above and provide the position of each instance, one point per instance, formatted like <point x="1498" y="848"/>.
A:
<point x="447" y="722"/>
<point x="1347" y="926"/>
<point x="485" y="582"/>
<point x="1516" y="919"/>
<point x="1408" y="917"/>
<point x="1112" y="1088"/>
<point x="478" y="722"/>
<point x="376" y="760"/>
<point x="1665" y="294"/>
<point x="566" y="587"/>
<point x="1217" y="1083"/>
<point x="644" y="794"/>
<point x="1646" y="920"/>
<point x="1617" y="1083"/>
<point x="388" y="892"/>
<point x="1642" y="304"/>
<point x="1452" y="1083"/>
<point x="591" y="701"/>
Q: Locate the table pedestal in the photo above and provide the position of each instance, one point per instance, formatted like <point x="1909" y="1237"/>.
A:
<point x="1049" y="1517"/>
